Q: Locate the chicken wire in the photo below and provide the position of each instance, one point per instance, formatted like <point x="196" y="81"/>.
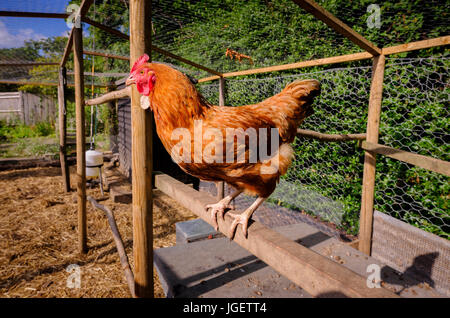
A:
<point x="267" y="32"/>
<point x="325" y="179"/>
<point x="415" y="118"/>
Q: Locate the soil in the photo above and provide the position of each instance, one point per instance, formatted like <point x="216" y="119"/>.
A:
<point x="38" y="238"/>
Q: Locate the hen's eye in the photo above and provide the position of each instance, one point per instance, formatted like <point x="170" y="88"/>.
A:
<point x="142" y="72"/>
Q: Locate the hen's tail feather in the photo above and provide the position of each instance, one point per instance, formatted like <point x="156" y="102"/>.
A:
<point x="303" y="89"/>
<point x="291" y="106"/>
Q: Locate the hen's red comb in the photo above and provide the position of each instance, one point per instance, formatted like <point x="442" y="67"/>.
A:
<point x="143" y="59"/>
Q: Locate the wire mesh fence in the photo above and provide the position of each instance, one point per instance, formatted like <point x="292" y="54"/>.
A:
<point x="222" y="35"/>
<point x="325" y="179"/>
<point x="415" y="118"/>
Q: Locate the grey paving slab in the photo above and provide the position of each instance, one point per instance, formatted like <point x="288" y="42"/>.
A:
<point x="220" y="268"/>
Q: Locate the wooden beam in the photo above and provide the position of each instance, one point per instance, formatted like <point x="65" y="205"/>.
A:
<point x="105" y="28"/>
<point x="329" y="137"/>
<point x="26" y="83"/>
<point x="84" y="7"/>
<point x="154" y="48"/>
<point x="181" y="59"/>
<point x="141" y="156"/>
<point x="63" y="128"/>
<point x="67" y="49"/>
<point x="44" y="84"/>
<point x="108" y="55"/>
<point x="337" y="59"/>
<point x="368" y="185"/>
<point x="339" y="26"/>
<point x="419" y="45"/>
<point x="317" y="274"/>
<point x="14" y="64"/>
<point x="23" y="14"/>
<point x="122" y="93"/>
<point x="425" y="162"/>
<point x="222" y="94"/>
<point x="80" y="138"/>
<point x="101" y="74"/>
<point x="284" y="67"/>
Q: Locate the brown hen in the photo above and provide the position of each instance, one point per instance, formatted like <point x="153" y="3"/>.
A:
<point x="231" y="144"/>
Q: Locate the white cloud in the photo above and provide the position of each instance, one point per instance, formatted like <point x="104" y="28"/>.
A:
<point x="66" y="33"/>
<point x="9" y="40"/>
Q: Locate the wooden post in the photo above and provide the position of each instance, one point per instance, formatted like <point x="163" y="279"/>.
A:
<point x="80" y="136"/>
<point x="63" y="128"/>
<point x="368" y="186"/>
<point x="221" y="185"/>
<point x="141" y="149"/>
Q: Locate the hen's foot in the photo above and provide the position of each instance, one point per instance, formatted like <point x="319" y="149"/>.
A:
<point x="239" y="219"/>
<point x="244" y="217"/>
<point x="218" y="208"/>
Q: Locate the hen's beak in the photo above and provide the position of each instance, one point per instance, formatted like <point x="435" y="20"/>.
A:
<point x="130" y="81"/>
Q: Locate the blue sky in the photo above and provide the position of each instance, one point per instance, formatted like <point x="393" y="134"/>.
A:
<point x="14" y="31"/>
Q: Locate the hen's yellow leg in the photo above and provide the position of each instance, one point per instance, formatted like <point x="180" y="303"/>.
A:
<point x="221" y="206"/>
<point x="244" y="217"/>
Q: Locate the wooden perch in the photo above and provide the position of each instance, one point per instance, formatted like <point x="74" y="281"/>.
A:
<point x="329" y="137"/>
<point x="119" y="243"/>
<point x="121" y="93"/>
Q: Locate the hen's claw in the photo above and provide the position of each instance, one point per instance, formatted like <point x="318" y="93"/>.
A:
<point x="217" y="208"/>
<point x="239" y="219"/>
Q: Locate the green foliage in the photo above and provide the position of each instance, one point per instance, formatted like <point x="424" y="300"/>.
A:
<point x="44" y="129"/>
<point x="31" y="147"/>
<point x="414" y="116"/>
<point x="325" y="179"/>
<point x="11" y="132"/>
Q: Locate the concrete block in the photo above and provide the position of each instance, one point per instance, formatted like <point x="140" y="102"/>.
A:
<point x="194" y="230"/>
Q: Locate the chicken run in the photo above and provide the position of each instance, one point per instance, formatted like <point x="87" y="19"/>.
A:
<point x="348" y="138"/>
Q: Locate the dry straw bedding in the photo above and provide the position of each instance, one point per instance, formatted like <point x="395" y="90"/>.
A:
<point x="38" y="237"/>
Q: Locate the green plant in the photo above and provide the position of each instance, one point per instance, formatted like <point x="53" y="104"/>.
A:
<point x="44" y="129"/>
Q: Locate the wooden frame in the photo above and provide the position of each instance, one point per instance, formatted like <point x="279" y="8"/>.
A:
<point x="23" y="14"/>
<point x="222" y="94"/>
<point x="424" y="162"/>
<point x="67" y="49"/>
<point x="95" y="74"/>
<point x="265" y="244"/>
<point x="126" y="37"/>
<point x="441" y="41"/>
<point x="339" y="26"/>
<point x="80" y="138"/>
<point x="63" y="128"/>
<point x="28" y="64"/>
<point x="368" y="186"/>
<point x="154" y="48"/>
<point x="315" y="273"/>
<point x="111" y="56"/>
<point x="418" y="45"/>
<point x="141" y="156"/>
<point x="305" y="133"/>
<point x="84" y="7"/>
<point x="45" y="84"/>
